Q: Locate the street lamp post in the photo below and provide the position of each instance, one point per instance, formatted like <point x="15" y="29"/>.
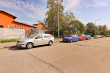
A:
<point x="95" y="25"/>
<point x="58" y="20"/>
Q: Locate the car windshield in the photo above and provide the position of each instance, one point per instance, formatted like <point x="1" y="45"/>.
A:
<point x="32" y="36"/>
<point x="79" y="35"/>
<point x="69" y="35"/>
<point x="87" y="35"/>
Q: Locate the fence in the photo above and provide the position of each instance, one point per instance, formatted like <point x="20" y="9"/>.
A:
<point x="6" y="33"/>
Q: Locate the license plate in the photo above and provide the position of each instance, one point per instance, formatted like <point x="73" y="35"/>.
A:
<point x="65" y="40"/>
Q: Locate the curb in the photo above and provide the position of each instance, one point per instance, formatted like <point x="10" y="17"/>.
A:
<point x="5" y="47"/>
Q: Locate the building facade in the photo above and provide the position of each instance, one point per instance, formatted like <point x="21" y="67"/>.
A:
<point x="7" y="20"/>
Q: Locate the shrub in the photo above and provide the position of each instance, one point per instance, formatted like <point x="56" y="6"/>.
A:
<point x="8" y="40"/>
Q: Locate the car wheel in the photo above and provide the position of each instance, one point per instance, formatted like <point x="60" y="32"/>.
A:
<point x="50" y="43"/>
<point x="29" y="45"/>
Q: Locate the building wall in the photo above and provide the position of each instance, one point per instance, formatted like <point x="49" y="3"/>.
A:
<point x="7" y="21"/>
<point x="40" y="25"/>
<point x="7" y="33"/>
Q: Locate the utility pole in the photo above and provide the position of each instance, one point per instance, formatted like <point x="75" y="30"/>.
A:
<point x="58" y="20"/>
<point x="95" y="26"/>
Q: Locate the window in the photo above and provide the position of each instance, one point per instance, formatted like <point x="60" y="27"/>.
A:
<point x="39" y="36"/>
<point x="50" y="36"/>
<point x="46" y="36"/>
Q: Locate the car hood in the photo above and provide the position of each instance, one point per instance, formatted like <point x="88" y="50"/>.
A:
<point x="67" y="37"/>
<point x="25" y="39"/>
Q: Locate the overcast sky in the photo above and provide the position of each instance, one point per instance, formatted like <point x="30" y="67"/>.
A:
<point x="31" y="11"/>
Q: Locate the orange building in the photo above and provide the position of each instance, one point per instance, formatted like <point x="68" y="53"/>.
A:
<point x="7" y="21"/>
<point x="41" y="26"/>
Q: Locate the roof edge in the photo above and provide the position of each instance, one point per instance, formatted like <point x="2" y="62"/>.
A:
<point x="8" y="13"/>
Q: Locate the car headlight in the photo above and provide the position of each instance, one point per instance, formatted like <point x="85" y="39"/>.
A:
<point x="20" y="41"/>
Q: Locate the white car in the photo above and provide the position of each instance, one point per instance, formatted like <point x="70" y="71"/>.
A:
<point x="36" y="39"/>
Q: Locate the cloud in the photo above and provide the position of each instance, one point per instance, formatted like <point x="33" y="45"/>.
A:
<point x="72" y="5"/>
<point x="32" y="10"/>
<point x="98" y="3"/>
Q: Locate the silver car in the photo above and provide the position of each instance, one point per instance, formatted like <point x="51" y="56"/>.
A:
<point x="36" y="39"/>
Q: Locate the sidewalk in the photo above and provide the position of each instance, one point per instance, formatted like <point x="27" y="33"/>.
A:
<point x="8" y="44"/>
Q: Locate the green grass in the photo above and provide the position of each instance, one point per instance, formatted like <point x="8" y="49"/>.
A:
<point x="8" y="40"/>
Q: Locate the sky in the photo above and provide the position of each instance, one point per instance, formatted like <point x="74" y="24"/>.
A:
<point x="31" y="11"/>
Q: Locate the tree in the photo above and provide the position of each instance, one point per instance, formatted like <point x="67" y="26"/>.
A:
<point x="52" y="15"/>
<point x="77" y="26"/>
<point x="64" y="25"/>
<point x="90" y="29"/>
<point x="103" y="29"/>
<point x="108" y="32"/>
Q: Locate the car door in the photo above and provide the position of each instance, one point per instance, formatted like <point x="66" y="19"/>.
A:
<point x="73" y="37"/>
<point x="46" y="39"/>
<point x="38" y="39"/>
<point x="76" y="37"/>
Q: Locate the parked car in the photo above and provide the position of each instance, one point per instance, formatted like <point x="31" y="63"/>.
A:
<point x="70" y="38"/>
<point x="96" y="36"/>
<point x="101" y="36"/>
<point x="107" y="35"/>
<point x="36" y="39"/>
<point x="88" y="37"/>
<point x="82" y="37"/>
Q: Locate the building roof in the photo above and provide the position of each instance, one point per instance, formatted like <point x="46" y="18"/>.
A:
<point x="8" y="13"/>
<point x="23" y="23"/>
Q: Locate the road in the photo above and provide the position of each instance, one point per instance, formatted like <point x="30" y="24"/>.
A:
<point x="89" y="56"/>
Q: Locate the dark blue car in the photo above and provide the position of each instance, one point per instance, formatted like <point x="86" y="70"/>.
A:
<point x="88" y="37"/>
<point x="70" y="38"/>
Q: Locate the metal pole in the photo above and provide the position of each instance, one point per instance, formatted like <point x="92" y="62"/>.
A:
<point x="95" y="27"/>
<point x="58" y="20"/>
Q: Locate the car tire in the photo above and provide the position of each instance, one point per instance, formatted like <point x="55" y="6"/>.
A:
<point x="50" y="43"/>
<point x="29" y="45"/>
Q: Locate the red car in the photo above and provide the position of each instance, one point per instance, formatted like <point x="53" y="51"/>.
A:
<point x="82" y="37"/>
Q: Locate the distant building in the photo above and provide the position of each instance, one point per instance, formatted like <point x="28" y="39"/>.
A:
<point x="41" y="26"/>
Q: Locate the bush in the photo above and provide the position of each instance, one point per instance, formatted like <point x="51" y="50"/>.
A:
<point x="8" y="40"/>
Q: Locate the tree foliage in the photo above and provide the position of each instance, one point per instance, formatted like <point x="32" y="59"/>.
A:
<point x="52" y="14"/>
<point x="77" y="27"/>
<point x="90" y="29"/>
<point x="103" y="29"/>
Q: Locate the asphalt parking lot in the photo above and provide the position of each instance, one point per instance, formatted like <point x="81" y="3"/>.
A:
<point x="88" y="56"/>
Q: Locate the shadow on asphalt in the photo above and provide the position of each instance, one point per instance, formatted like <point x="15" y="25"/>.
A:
<point x="65" y="42"/>
<point x="16" y="48"/>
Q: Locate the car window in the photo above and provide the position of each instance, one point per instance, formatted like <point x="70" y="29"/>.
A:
<point x="39" y="36"/>
<point x="32" y="36"/>
<point x="46" y="36"/>
<point x="69" y="35"/>
<point x="74" y="35"/>
<point x="80" y="35"/>
<point x="50" y="36"/>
